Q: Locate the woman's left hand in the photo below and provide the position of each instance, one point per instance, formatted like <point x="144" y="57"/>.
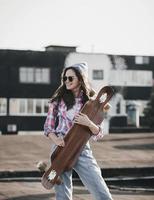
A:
<point x="82" y="119"/>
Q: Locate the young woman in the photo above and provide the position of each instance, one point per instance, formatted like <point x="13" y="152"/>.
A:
<point x="65" y="105"/>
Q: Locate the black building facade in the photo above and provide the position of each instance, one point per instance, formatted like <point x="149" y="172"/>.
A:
<point x="27" y="81"/>
<point x="29" y="78"/>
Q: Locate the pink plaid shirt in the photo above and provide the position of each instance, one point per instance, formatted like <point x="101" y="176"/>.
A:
<point x="65" y="118"/>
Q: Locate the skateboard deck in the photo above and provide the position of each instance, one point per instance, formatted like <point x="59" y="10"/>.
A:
<point x="64" y="158"/>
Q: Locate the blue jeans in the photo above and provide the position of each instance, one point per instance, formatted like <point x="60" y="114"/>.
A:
<point x="89" y="173"/>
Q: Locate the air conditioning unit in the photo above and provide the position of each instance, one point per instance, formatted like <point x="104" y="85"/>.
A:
<point x="11" y="128"/>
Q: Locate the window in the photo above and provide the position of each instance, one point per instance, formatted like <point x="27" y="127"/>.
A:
<point x="39" y="106"/>
<point x="22" y="107"/>
<point x="30" y="106"/>
<point x="46" y="75"/>
<point x="29" y="75"/>
<point x="3" y="106"/>
<point x="118" y="108"/>
<point x="34" y="75"/>
<point x="141" y="60"/>
<point x="46" y="106"/>
<point x="35" y="107"/>
<point x="97" y="74"/>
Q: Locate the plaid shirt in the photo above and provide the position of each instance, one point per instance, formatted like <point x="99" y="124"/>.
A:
<point x="65" y="118"/>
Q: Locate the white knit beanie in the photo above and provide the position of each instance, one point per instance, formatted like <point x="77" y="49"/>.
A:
<point x="82" y="67"/>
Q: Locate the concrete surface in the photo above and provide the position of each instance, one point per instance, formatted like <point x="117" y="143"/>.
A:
<point x="22" y="152"/>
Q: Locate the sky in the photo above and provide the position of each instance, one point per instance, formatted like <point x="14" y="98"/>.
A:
<point x="102" y="26"/>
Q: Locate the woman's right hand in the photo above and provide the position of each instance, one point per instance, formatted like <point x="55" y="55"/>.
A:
<point x="57" y="140"/>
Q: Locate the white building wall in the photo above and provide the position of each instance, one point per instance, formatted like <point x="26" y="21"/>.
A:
<point x="114" y="77"/>
<point x="136" y="78"/>
<point x="95" y="61"/>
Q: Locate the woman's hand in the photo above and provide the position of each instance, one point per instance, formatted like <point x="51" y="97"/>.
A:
<point x="60" y="142"/>
<point x="57" y="140"/>
<point x="83" y="119"/>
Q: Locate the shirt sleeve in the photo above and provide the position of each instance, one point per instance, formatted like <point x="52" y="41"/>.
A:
<point x="49" y="125"/>
<point x="100" y="134"/>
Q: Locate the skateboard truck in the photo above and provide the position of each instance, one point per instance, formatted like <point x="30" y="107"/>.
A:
<point x="52" y="175"/>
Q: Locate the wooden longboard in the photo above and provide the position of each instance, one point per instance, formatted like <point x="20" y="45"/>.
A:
<point x="64" y="158"/>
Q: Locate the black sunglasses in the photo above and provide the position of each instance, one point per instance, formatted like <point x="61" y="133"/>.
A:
<point x="70" y="78"/>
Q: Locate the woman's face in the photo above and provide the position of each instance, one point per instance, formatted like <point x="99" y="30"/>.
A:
<point x="71" y="81"/>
